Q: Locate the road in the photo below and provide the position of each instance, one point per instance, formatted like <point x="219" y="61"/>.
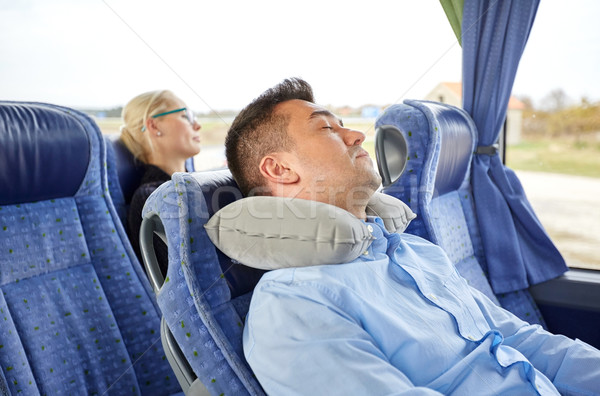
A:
<point x="569" y="208"/>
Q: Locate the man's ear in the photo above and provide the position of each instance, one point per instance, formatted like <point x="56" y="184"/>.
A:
<point x="276" y="169"/>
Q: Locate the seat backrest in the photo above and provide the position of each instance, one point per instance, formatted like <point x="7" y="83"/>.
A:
<point x="440" y="140"/>
<point x="216" y="290"/>
<point x="113" y="174"/>
<point x="78" y="314"/>
<point x="129" y="170"/>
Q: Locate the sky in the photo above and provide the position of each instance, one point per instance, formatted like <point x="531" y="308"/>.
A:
<point x="219" y="55"/>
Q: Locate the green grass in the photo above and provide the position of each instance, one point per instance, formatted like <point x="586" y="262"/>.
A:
<point x="556" y="156"/>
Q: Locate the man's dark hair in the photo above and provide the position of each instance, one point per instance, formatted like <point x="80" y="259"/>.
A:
<point x="258" y="130"/>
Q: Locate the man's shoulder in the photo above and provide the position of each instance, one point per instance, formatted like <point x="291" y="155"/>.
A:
<point x="298" y="275"/>
<point x="330" y="278"/>
<point x="421" y="245"/>
<point x="336" y="286"/>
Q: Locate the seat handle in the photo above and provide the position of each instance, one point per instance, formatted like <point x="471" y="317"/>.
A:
<point x="152" y="224"/>
<point x="391" y="153"/>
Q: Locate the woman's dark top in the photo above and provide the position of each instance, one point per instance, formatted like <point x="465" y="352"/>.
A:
<point x="152" y="178"/>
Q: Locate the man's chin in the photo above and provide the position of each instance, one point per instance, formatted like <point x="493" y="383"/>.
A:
<point x="371" y="167"/>
<point x="375" y="181"/>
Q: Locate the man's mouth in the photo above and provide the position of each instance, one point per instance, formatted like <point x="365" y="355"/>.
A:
<point x="362" y="153"/>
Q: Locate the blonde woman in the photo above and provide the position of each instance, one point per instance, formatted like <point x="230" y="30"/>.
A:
<point x="161" y="132"/>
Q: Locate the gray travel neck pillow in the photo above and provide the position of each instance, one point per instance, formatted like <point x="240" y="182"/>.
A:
<point x="275" y="232"/>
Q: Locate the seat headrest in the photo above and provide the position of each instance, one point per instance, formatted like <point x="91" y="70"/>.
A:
<point x="129" y="169"/>
<point x="432" y="140"/>
<point x="203" y="194"/>
<point x="44" y="152"/>
<point x="219" y="189"/>
<point x="457" y="136"/>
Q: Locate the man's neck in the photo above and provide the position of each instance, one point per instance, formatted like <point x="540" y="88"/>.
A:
<point x="355" y="204"/>
<point x="359" y="212"/>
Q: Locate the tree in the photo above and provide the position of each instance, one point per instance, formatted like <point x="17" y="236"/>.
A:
<point x="556" y="100"/>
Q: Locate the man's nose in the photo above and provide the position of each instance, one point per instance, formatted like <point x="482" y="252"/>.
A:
<point x="353" y="137"/>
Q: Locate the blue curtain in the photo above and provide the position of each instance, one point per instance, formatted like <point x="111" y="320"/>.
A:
<point x="519" y="253"/>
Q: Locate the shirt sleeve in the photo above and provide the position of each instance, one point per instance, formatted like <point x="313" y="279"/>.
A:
<point x="572" y="365"/>
<point x="305" y="344"/>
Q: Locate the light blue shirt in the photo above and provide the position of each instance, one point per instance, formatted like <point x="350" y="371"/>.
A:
<point x="401" y="320"/>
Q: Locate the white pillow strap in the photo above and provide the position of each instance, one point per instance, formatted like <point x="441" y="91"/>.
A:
<point x="396" y="215"/>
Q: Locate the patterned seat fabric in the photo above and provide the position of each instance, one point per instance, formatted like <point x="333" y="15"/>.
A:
<point x="77" y="315"/>
<point x="436" y="185"/>
<point x="205" y="296"/>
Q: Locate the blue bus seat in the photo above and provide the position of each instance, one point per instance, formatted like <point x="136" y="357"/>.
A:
<point x="439" y="143"/>
<point x="205" y="295"/>
<point x="78" y="314"/>
<point x="125" y="173"/>
<point x="114" y="174"/>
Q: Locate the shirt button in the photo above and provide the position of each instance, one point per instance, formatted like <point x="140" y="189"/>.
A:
<point x="366" y="253"/>
<point x="470" y="337"/>
<point x="370" y="228"/>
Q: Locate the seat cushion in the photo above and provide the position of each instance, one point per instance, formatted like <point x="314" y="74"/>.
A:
<point x="451" y="232"/>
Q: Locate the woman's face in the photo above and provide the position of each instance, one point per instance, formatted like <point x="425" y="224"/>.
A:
<point x="178" y="135"/>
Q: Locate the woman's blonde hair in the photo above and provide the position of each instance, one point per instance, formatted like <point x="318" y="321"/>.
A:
<point x="135" y="113"/>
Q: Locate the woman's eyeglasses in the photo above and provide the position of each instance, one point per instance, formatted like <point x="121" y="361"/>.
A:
<point x="189" y="115"/>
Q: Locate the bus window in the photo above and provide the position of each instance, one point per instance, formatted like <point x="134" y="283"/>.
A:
<point x="557" y="156"/>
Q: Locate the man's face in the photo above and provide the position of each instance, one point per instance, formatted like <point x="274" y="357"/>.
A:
<point x="332" y="166"/>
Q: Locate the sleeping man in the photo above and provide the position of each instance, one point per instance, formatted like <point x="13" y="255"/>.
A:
<point x="398" y="319"/>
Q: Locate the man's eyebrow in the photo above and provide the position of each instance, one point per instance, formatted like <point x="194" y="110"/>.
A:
<point x="325" y="113"/>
